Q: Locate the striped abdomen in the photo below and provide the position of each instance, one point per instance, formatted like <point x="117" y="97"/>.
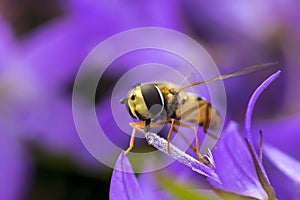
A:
<point x="198" y="111"/>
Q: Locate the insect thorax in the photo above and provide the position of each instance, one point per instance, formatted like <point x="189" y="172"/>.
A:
<point x="173" y="102"/>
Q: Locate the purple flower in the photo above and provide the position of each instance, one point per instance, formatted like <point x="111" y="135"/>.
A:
<point x="238" y="170"/>
<point x="37" y="72"/>
<point x="237" y="164"/>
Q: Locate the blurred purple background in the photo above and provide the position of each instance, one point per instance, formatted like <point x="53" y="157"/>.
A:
<point x="43" y="43"/>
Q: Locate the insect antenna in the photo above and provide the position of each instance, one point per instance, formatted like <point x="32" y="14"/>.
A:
<point x="123" y="101"/>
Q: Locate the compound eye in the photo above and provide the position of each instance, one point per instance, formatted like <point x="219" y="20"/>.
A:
<point x="153" y="99"/>
<point x="132" y="97"/>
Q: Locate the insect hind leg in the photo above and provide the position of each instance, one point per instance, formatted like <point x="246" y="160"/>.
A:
<point x="170" y="133"/>
<point x="195" y="149"/>
<point x="176" y="130"/>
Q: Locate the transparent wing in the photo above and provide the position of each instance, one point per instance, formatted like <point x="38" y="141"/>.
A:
<point x="244" y="71"/>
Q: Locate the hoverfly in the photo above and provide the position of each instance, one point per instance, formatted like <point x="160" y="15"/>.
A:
<point x="156" y="103"/>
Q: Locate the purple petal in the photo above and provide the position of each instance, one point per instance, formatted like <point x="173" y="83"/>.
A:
<point x="283" y="173"/>
<point x="283" y="133"/>
<point x="261" y="173"/>
<point x="235" y="167"/>
<point x="289" y="166"/>
<point x="124" y="184"/>
<point x="252" y="102"/>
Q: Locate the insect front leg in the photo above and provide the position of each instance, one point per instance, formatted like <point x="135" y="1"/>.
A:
<point x="136" y="126"/>
<point x="131" y="144"/>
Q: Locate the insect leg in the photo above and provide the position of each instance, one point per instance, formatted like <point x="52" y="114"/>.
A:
<point x="173" y="129"/>
<point x="176" y="130"/>
<point x="131" y="144"/>
<point x="136" y="126"/>
<point x="170" y="133"/>
<point x="200" y="157"/>
<point x="178" y="123"/>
